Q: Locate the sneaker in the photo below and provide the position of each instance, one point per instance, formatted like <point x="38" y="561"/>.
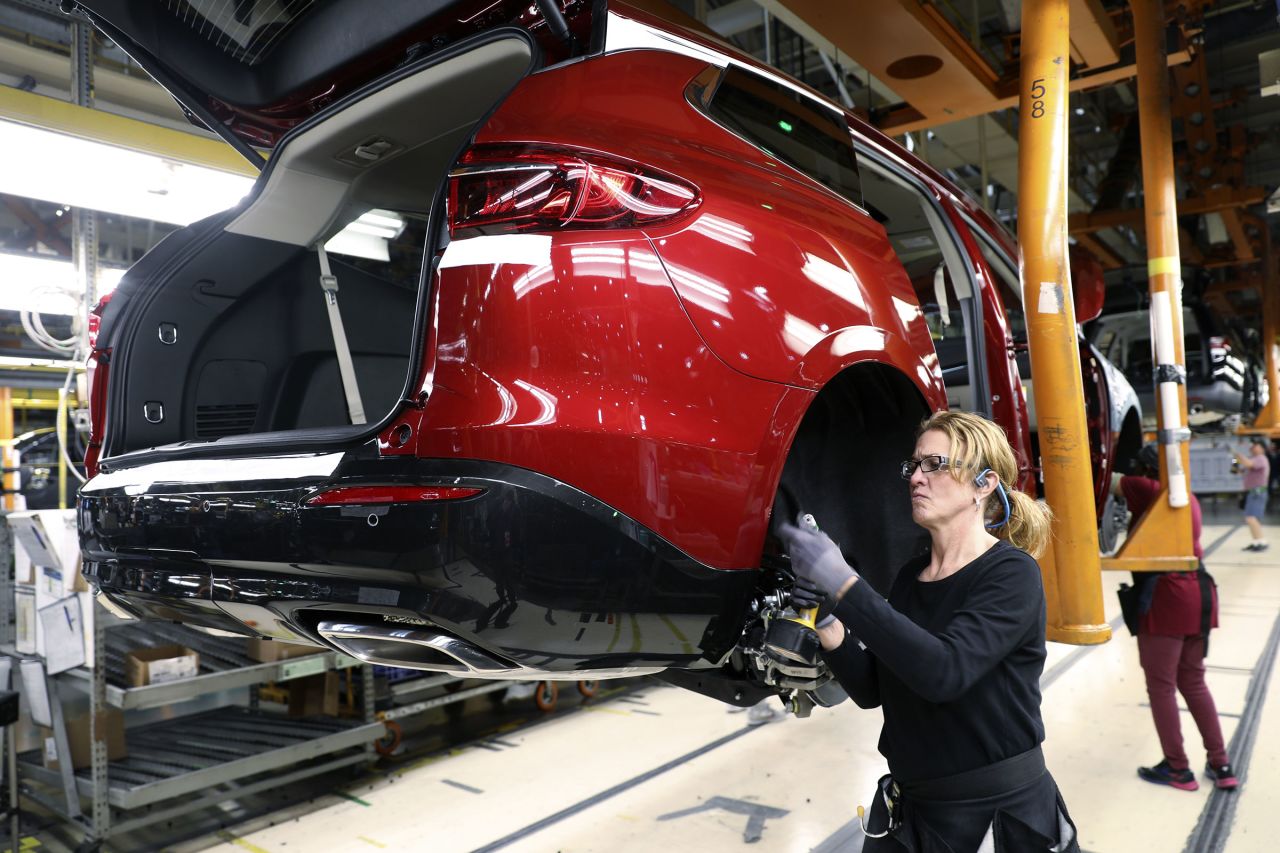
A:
<point x="1252" y="546"/>
<point x="1163" y="774"/>
<point x="1223" y="776"/>
<point x="1261" y="546"/>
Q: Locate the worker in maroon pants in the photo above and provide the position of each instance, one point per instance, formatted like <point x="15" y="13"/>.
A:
<point x="1177" y="610"/>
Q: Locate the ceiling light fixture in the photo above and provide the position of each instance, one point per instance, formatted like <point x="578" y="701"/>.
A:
<point x="82" y="173"/>
<point x="46" y="285"/>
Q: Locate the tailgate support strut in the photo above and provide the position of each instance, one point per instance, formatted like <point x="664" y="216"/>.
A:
<point x="341" y="350"/>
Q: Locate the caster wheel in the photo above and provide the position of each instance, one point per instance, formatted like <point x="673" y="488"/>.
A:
<point x="546" y="695"/>
<point x="588" y="689"/>
<point x="389" y="742"/>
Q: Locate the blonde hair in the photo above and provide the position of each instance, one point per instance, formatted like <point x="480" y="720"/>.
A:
<point x="977" y="443"/>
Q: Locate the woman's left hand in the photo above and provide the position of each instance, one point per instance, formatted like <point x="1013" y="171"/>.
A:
<point x="816" y="559"/>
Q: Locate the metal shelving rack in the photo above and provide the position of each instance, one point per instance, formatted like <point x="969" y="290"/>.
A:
<point x="227" y="753"/>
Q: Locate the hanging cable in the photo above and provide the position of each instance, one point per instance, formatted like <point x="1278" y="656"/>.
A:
<point x="63" y="393"/>
<point x="34" y="326"/>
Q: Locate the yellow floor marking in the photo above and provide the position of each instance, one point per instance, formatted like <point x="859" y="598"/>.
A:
<point x="635" y="634"/>
<point x="594" y="709"/>
<point x="240" y="842"/>
<point x="617" y="631"/>
<point x="684" y="641"/>
<point x="371" y="841"/>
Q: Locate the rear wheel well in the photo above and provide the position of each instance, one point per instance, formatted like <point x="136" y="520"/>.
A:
<point x="843" y="468"/>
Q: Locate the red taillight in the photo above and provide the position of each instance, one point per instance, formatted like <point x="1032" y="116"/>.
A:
<point x="506" y="189"/>
<point x="97" y="371"/>
<point x="367" y="495"/>
<point x="95" y="319"/>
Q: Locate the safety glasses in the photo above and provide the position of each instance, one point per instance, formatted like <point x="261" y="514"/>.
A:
<point x="927" y="464"/>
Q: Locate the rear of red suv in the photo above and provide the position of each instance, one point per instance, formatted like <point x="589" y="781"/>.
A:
<point x="637" y="294"/>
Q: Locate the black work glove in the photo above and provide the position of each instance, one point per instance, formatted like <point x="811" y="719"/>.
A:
<point x="805" y="596"/>
<point x="815" y="558"/>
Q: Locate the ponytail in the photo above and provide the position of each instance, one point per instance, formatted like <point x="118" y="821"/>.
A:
<point x="1028" y="526"/>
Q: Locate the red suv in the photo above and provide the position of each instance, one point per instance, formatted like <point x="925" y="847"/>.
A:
<point x="639" y="293"/>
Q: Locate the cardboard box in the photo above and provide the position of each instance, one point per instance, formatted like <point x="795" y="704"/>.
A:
<point x="161" y="664"/>
<point x="269" y="651"/>
<point x="314" y="695"/>
<point x="50" y="538"/>
<point x="23" y="570"/>
<point x="78" y="740"/>
<point x="24" y="600"/>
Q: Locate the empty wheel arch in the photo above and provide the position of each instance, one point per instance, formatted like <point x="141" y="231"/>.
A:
<point x="843" y="468"/>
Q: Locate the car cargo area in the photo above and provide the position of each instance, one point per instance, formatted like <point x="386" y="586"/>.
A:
<point x="238" y="342"/>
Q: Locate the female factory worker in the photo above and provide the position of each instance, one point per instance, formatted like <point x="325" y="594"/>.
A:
<point x="954" y="656"/>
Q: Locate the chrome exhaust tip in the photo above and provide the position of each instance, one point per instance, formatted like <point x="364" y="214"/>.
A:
<point x="411" y="647"/>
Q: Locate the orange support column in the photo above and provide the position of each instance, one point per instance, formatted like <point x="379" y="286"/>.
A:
<point x="1073" y="581"/>
<point x="1268" y="420"/>
<point x="1162" y="539"/>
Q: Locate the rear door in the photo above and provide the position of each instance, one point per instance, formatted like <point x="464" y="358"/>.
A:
<point x="253" y="70"/>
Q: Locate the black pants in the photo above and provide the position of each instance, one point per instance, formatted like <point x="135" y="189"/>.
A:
<point x="1028" y="819"/>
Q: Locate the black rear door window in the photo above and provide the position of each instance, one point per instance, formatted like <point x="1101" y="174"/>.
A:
<point x="789" y="126"/>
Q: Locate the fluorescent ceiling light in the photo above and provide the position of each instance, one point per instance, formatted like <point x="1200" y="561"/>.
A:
<point x="79" y="172"/>
<point x="46" y="285"/>
<point x="18" y="362"/>
<point x="367" y="236"/>
<point x="348" y="242"/>
<point x="63" y="169"/>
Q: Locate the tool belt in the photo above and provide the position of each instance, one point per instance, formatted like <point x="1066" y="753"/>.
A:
<point x="982" y="782"/>
<point x="1007" y="775"/>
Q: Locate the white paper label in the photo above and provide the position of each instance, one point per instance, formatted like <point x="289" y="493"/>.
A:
<point x="1050" y="298"/>
<point x="171" y="669"/>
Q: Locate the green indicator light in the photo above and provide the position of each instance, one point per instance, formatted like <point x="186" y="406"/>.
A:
<point x="785" y="125"/>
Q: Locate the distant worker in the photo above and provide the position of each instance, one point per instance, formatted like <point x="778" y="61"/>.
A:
<point x="1257" y="472"/>
<point x="1176" y="611"/>
<point x="954" y="656"/>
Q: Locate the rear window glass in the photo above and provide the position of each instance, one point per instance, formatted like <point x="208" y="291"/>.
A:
<point x="787" y="125"/>
<point x="246" y="31"/>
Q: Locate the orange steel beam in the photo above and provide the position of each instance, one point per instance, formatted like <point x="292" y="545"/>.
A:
<point x="1239" y="238"/>
<point x="1104" y="253"/>
<point x="1161" y="540"/>
<point x="909" y="118"/>
<point x="1083" y="223"/>
<point x="1073" y="582"/>
<point x="912" y="49"/>
<point x="1094" y="41"/>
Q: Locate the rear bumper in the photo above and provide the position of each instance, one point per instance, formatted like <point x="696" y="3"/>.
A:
<point x="530" y="570"/>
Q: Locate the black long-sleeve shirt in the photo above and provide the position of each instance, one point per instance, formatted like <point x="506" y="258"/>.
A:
<point x="955" y="663"/>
